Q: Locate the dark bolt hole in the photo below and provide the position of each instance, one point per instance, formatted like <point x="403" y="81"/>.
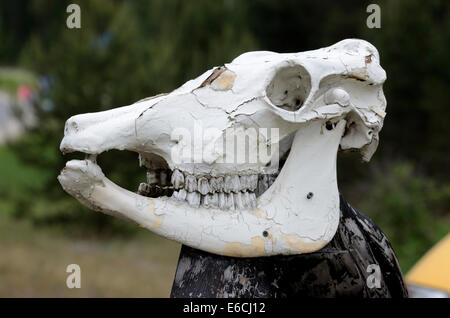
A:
<point x="329" y="125"/>
<point x="265" y="234"/>
<point x="297" y="102"/>
<point x="309" y="195"/>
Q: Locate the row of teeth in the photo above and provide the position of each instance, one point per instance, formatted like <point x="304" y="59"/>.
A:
<point x="203" y="185"/>
<point x="227" y="201"/>
<point x="228" y="192"/>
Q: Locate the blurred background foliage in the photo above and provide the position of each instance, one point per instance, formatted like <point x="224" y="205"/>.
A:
<point x="128" y="50"/>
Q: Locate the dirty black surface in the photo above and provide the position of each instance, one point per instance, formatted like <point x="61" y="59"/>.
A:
<point x="337" y="270"/>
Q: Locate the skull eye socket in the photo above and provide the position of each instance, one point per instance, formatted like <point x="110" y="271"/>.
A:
<point x="289" y="88"/>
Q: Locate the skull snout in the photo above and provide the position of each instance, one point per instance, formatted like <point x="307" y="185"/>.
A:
<point x="95" y="133"/>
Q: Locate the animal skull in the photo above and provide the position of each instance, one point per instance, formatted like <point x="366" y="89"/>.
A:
<point x="312" y="103"/>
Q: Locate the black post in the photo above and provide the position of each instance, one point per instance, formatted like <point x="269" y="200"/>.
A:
<point x="340" y="269"/>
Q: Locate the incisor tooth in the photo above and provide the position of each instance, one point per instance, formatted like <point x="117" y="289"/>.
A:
<point x="193" y="198"/>
<point x="177" y="179"/>
<point x="191" y="183"/>
<point x="203" y="186"/>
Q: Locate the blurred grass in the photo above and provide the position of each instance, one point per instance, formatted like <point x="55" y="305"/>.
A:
<point x="33" y="263"/>
<point x="33" y="259"/>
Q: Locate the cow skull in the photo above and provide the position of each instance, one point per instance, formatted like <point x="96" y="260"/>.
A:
<point x="198" y="192"/>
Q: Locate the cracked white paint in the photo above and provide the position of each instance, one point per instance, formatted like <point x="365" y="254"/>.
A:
<point x="320" y="101"/>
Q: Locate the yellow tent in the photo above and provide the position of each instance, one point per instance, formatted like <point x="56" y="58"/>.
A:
<point x="433" y="269"/>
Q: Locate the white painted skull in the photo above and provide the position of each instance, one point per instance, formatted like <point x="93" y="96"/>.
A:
<point x="201" y="190"/>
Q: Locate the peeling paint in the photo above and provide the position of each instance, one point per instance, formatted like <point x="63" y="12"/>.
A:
<point x="214" y="74"/>
<point x="224" y="81"/>
<point x="157" y="222"/>
<point x="151" y="206"/>
<point x="236" y="249"/>
<point x="258" y="212"/>
<point x="302" y="245"/>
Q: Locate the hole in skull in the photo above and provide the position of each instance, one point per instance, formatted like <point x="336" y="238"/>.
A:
<point x="289" y="88"/>
<point x="329" y="125"/>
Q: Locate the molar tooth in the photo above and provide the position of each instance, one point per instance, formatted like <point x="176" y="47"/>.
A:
<point x="143" y="189"/>
<point x="205" y="201"/>
<point x="216" y="184"/>
<point x="244" y="182"/>
<point x="222" y="200"/>
<point x="193" y="198"/>
<point x="235" y="184"/>
<point x="264" y="182"/>
<point x="231" y="184"/>
<point x="229" y="204"/>
<point x="253" y="202"/>
<point x="246" y="200"/>
<point x="203" y="186"/>
<point x="214" y="200"/>
<point x="182" y="194"/>
<point x="238" y="200"/>
<point x="191" y="183"/>
<point x="253" y="182"/>
<point x="167" y="191"/>
<point x="177" y="179"/>
<point x="152" y="177"/>
<point x="210" y="200"/>
<point x="155" y="191"/>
